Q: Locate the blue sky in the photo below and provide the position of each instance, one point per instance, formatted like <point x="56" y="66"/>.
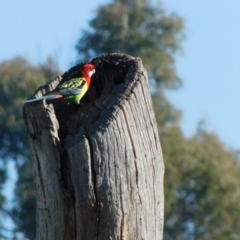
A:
<point x="209" y="67"/>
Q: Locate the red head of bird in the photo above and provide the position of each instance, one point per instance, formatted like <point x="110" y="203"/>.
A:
<point x="87" y="71"/>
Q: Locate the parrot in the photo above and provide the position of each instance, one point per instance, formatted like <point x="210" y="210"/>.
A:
<point x="72" y="90"/>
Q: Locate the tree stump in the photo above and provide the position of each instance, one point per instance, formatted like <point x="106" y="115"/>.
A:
<point x="98" y="165"/>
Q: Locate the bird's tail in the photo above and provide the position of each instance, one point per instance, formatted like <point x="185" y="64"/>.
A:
<point x="47" y="97"/>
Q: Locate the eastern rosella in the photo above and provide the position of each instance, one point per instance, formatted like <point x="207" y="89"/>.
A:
<point x="73" y="89"/>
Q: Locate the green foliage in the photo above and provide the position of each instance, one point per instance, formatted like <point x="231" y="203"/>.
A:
<point x="25" y="198"/>
<point x="201" y="187"/>
<point x="165" y="113"/>
<point x="2" y="181"/>
<point x="202" y="178"/>
<point x="19" y="80"/>
<point x="139" y="29"/>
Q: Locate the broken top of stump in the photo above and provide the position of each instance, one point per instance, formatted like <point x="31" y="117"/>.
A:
<point x="115" y="77"/>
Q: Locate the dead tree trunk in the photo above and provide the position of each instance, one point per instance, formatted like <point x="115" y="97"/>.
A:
<point x="98" y="166"/>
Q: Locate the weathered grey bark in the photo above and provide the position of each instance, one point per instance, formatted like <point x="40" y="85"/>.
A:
<point x="99" y="167"/>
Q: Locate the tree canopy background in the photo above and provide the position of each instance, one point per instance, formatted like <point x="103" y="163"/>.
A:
<point x="19" y="80"/>
<point x="201" y="175"/>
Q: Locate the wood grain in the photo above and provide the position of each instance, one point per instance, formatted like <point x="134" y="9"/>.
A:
<point x="99" y="167"/>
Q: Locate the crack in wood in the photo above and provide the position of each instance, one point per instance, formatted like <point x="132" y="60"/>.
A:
<point x="94" y="182"/>
<point x="40" y="174"/>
